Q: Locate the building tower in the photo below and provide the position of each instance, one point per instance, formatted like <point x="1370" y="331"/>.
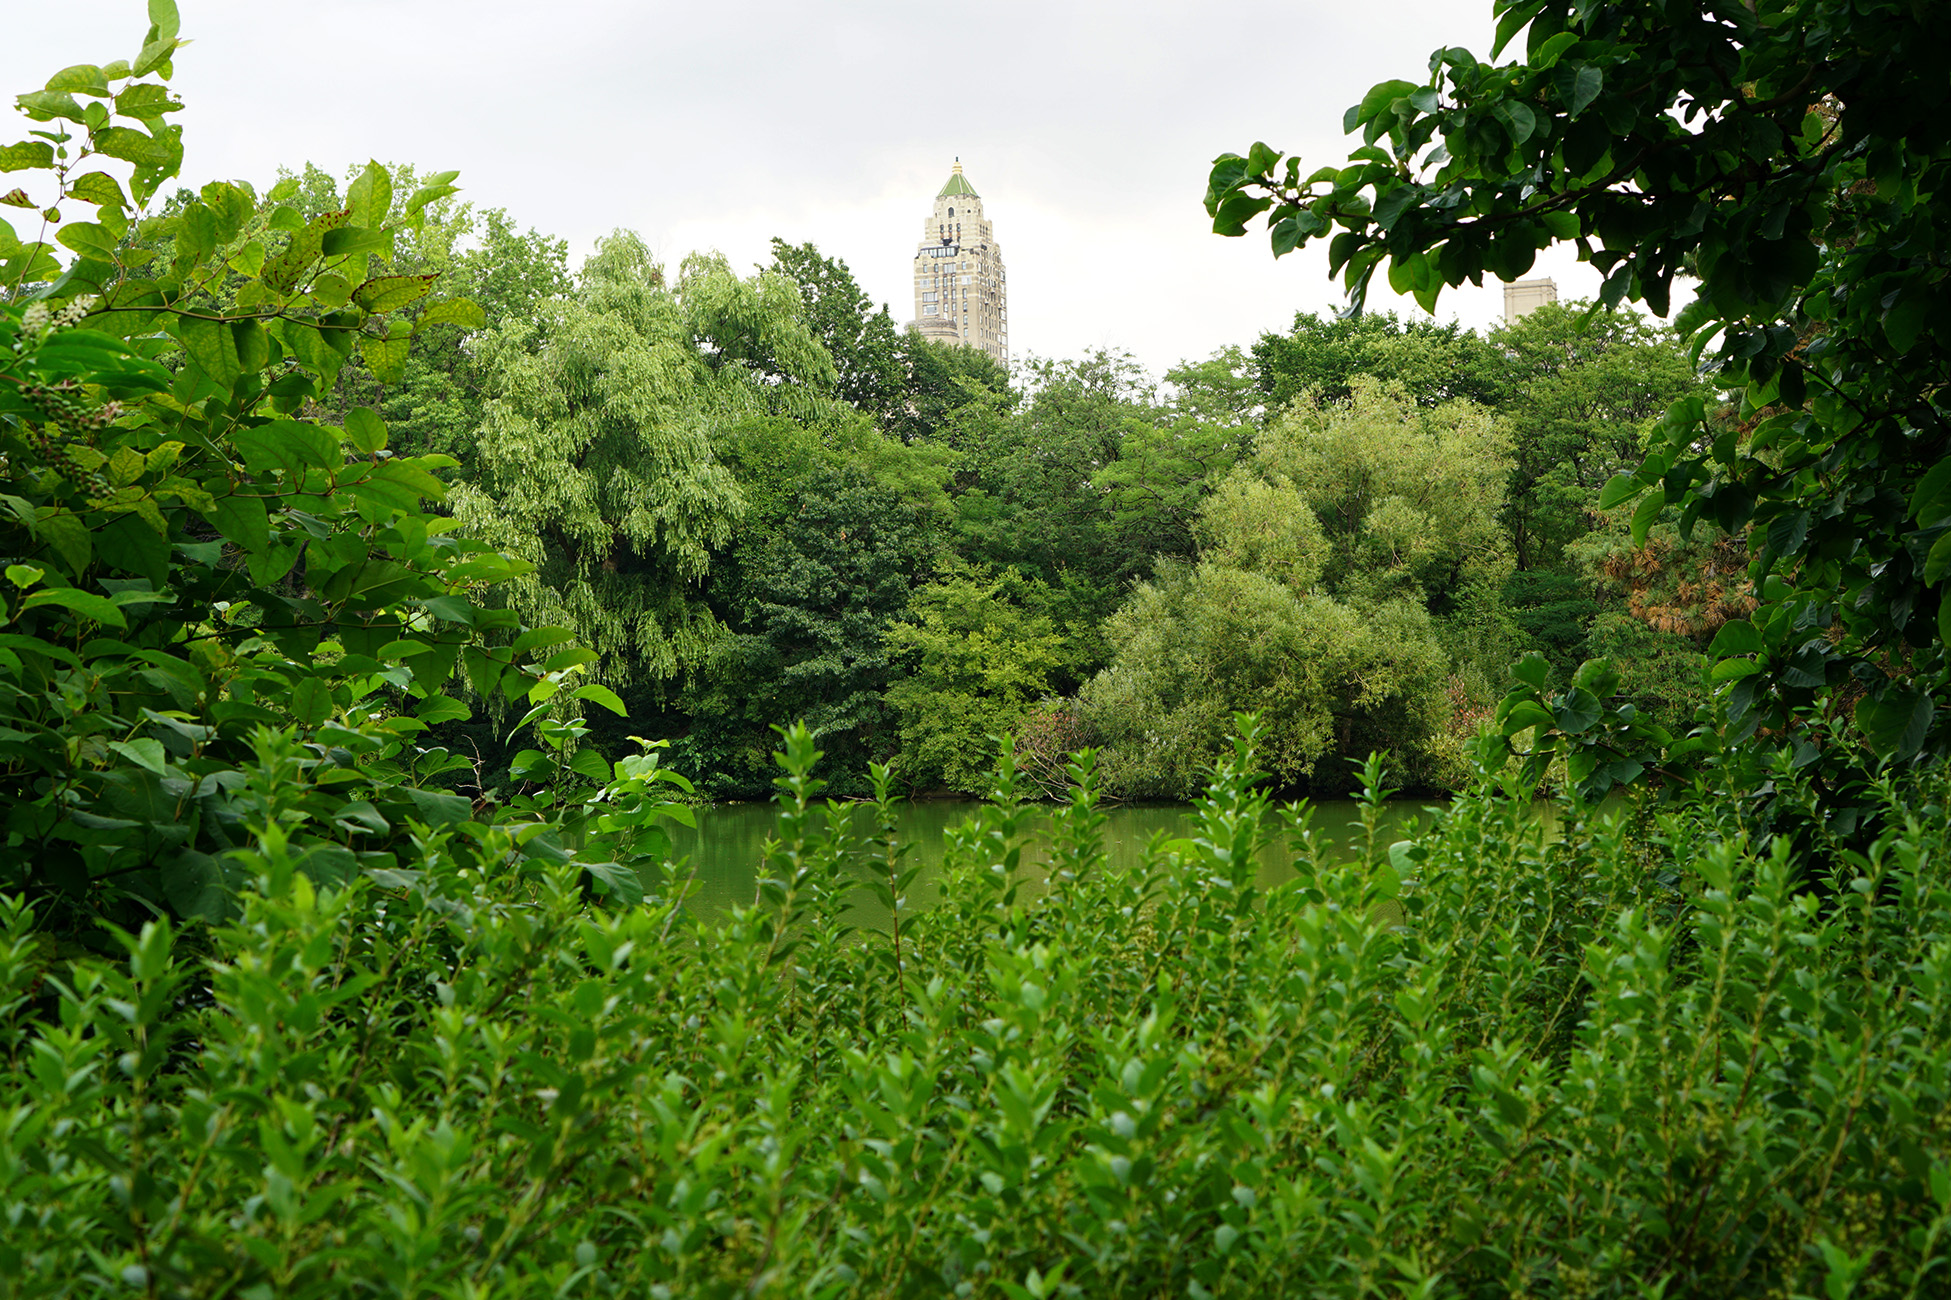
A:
<point x="961" y="289"/>
<point x="1522" y="297"/>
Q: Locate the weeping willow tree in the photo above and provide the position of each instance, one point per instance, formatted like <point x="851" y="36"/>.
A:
<point x="596" y="459"/>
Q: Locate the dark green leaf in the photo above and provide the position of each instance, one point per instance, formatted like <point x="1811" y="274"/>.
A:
<point x="290" y="446"/>
<point x="1576" y="710"/>
<point x="1896" y="724"/>
<point x="1738" y="637"/>
<point x="86" y="603"/>
<point x="243" y="518"/>
<point x="1647" y="512"/>
<point x="617" y="883"/>
<point x="1532" y="669"/>
<point x="1619" y="488"/>
<point x="436" y="809"/>
<point x="311" y="701"/>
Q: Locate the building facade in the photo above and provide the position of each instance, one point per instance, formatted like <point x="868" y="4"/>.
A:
<point x="1522" y="297"/>
<point x="961" y="289"/>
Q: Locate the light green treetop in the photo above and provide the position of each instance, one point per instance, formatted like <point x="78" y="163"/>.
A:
<point x="597" y="456"/>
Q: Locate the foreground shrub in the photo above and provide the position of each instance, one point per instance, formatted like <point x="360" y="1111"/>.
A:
<point x="1493" y="1062"/>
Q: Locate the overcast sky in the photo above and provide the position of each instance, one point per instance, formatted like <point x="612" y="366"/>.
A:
<point x="1087" y="127"/>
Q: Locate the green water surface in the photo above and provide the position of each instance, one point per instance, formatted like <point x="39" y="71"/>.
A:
<point x="726" y="847"/>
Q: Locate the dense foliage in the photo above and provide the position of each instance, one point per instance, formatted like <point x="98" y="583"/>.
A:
<point x="1772" y="151"/>
<point x="1585" y="1064"/>
<point x="342" y="954"/>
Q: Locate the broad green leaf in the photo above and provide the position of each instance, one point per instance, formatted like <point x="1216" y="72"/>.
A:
<point x="331" y="290"/>
<point x="1739" y="637"/>
<point x="1380" y="97"/>
<point x="1930" y="503"/>
<point x="540" y="639"/>
<point x="145" y="100"/>
<point x="1523" y="715"/>
<point x="438" y="186"/>
<point x="1515" y="19"/>
<point x="1532" y="669"/>
<point x="590" y="763"/>
<point x="530" y="765"/>
<point x="311" y="701"/>
<point x="386" y="357"/>
<point x="1584" y="89"/>
<point x="27" y="155"/>
<point x="1562" y="225"/>
<point x="370" y="197"/>
<point x="392" y="292"/>
<point x="1903" y="323"/>
<point x="436" y="809"/>
<point x="86" y="603"/>
<point x="163" y="17"/>
<point x="100" y="189"/>
<point x="143" y="753"/>
<point x="1647" y="513"/>
<point x="70" y="538"/>
<point x="617" y="883"/>
<point x="574" y="656"/>
<point x="1552" y="50"/>
<point x="602" y="695"/>
<point x="1517" y="118"/>
<point x="1576" y="710"/>
<point x="1619" y="488"/>
<point x="290" y="446"/>
<point x="365" y="430"/>
<point x="451" y="311"/>
<point x="193" y="883"/>
<point x="319" y="351"/>
<point x="153" y="55"/>
<point x="345" y="241"/>
<point x="44" y="105"/>
<point x="1939" y="560"/>
<point x="81" y="79"/>
<point x="242" y="518"/>
<point x="1599" y="677"/>
<point x="134" y="546"/>
<point x="1733" y="670"/>
<point x="442" y="708"/>
<point x="211" y="344"/>
<point x="25" y="575"/>
<point x="139" y="147"/>
<point x="1896" y="724"/>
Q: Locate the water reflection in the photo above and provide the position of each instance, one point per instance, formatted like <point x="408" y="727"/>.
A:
<point x="725" y="848"/>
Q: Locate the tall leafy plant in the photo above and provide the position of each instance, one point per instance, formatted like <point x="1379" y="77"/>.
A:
<point x="1772" y="149"/>
<point x="189" y="557"/>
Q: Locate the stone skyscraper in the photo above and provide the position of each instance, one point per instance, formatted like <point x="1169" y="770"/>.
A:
<point x="961" y="289"/>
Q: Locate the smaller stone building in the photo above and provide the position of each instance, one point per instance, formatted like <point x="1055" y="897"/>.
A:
<point x="1522" y="297"/>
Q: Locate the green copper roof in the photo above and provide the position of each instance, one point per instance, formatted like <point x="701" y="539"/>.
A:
<point x="958" y="184"/>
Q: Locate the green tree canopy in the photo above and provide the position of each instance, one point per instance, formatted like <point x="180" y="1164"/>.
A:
<point x="1775" y="150"/>
<point x="1587" y="388"/>
<point x="1433" y="363"/>
<point x="1407" y="496"/>
<point x="596" y="457"/>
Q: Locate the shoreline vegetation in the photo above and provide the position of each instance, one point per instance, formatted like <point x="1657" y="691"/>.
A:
<point x="379" y="599"/>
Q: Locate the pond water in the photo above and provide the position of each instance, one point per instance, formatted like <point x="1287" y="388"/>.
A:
<point x="725" y="848"/>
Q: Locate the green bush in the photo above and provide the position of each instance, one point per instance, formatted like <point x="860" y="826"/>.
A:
<point x="1497" y="1061"/>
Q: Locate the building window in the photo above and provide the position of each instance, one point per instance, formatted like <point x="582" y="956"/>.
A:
<point x="930" y="297"/>
<point x="930" y="311"/>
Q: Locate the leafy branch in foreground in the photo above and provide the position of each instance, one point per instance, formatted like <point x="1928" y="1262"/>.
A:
<point x="1772" y="151"/>
<point x="190" y="558"/>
